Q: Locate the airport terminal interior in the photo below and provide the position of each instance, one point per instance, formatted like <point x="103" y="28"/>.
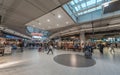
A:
<point x="59" y="37"/>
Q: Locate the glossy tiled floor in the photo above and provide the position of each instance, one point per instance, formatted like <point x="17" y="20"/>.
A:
<point x="31" y="62"/>
<point x="74" y="60"/>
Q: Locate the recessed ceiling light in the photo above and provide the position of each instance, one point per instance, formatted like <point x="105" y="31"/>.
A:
<point x="59" y="16"/>
<point x="57" y="24"/>
<point x="67" y="22"/>
<point x="48" y="20"/>
<point x="39" y="23"/>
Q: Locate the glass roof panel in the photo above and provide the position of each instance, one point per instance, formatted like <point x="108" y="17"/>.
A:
<point x="72" y="3"/>
<point x="76" y="9"/>
<point x="91" y="2"/>
<point x="36" y="30"/>
<point x="85" y="6"/>
<point x="76" y="1"/>
<point x="99" y="1"/>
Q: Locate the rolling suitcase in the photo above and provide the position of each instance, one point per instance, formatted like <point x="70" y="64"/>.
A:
<point x="88" y="54"/>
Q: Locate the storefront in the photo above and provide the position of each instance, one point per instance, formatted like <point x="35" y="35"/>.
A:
<point x="68" y="43"/>
<point x="7" y="42"/>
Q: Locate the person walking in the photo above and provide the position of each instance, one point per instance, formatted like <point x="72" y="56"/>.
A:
<point x="50" y="49"/>
<point x="101" y="46"/>
<point x="21" y="46"/>
<point x="112" y="48"/>
<point x="82" y="46"/>
<point x="88" y="51"/>
<point x="116" y="45"/>
<point x="45" y="46"/>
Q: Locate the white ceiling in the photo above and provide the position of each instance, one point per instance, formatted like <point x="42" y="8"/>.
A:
<point x="98" y="26"/>
<point x="16" y="13"/>
<point x="54" y="19"/>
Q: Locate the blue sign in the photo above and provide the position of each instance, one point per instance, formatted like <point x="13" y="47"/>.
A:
<point x="11" y="37"/>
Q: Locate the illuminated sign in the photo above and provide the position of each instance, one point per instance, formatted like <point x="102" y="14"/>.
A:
<point x="36" y="37"/>
<point x="36" y="34"/>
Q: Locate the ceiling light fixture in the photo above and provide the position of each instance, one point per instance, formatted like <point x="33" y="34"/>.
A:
<point x="67" y="22"/>
<point x="39" y="23"/>
<point x="57" y="24"/>
<point x="59" y="16"/>
<point x="48" y="20"/>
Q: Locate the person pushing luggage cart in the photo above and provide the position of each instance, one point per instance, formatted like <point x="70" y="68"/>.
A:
<point x="88" y="51"/>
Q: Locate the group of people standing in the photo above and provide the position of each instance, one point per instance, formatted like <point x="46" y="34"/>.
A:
<point x="100" y="46"/>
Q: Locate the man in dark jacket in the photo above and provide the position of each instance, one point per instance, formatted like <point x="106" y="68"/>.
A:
<point x="21" y="46"/>
<point x="88" y="47"/>
<point x="50" y="49"/>
<point x="101" y="46"/>
<point x="88" y="51"/>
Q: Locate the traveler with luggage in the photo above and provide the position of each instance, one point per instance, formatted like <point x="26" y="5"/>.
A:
<point x="50" y="49"/>
<point x="88" y="51"/>
<point x="101" y="46"/>
<point x="112" y="48"/>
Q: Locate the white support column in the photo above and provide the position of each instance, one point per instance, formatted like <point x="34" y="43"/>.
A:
<point x="82" y="37"/>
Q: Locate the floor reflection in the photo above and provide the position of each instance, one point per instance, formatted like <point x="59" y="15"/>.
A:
<point x="74" y="60"/>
